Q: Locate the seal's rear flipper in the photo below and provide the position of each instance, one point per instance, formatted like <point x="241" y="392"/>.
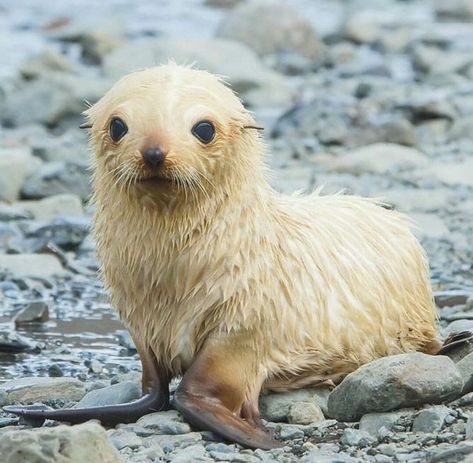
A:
<point x="109" y="415"/>
<point x="454" y="341"/>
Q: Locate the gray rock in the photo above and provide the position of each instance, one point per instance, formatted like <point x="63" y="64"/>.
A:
<point x="324" y="456"/>
<point x="172" y="442"/>
<point x="31" y="265"/>
<point x="169" y="422"/>
<point x="431" y="419"/>
<point x="305" y="413"/>
<point x="404" y="380"/>
<point x="190" y="454"/>
<point x="9" y="212"/>
<point x="51" y="98"/>
<point x="119" y="393"/>
<point x="280" y="28"/>
<point x="465" y="367"/>
<point x="450" y="298"/>
<point x="96" y="44"/>
<point x="16" y="164"/>
<point x="121" y="438"/>
<point x="362" y="27"/>
<point x="56" y="178"/>
<point x="356" y="438"/>
<point x="34" y="312"/>
<point x="125" y="340"/>
<point x="339" y="119"/>
<point x="245" y="72"/>
<point x="372" y="423"/>
<point x="378" y="158"/>
<point x="451" y="173"/>
<point x="290" y="431"/>
<point x="47" y="209"/>
<point x="65" y="444"/>
<point x="65" y="232"/>
<point x="275" y="407"/>
<point x="12" y="342"/>
<point x="41" y="389"/>
<point x="469" y="427"/>
<point x="423" y="200"/>
<point x="48" y="60"/>
<point x="429" y="225"/>
<point x="11" y="238"/>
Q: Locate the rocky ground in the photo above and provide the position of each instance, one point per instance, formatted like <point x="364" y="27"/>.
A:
<point x="371" y="96"/>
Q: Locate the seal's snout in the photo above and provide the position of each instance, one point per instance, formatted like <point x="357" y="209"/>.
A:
<point x="153" y="157"/>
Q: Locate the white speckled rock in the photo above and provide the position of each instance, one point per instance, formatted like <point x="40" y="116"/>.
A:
<point x="84" y="443"/>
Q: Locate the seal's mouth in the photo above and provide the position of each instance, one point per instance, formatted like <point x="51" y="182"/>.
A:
<point x="155" y="180"/>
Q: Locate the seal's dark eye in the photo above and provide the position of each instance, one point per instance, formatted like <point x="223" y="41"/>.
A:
<point x="118" y="129"/>
<point x="204" y="131"/>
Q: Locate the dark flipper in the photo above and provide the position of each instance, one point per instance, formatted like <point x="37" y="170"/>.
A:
<point x="208" y="413"/>
<point x="109" y="415"/>
<point x="219" y="392"/>
<point x="455" y="340"/>
<point x="155" y="381"/>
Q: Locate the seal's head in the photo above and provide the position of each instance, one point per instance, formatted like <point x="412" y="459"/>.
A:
<point x="171" y="128"/>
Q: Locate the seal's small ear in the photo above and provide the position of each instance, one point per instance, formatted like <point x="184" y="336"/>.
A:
<point x="85" y="125"/>
<point x="253" y="127"/>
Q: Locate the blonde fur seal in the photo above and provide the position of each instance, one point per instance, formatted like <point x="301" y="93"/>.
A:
<point x="224" y="280"/>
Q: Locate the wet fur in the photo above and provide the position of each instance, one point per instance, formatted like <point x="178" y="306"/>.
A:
<point x="318" y="284"/>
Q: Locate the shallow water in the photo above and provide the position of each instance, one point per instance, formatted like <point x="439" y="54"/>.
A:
<point x="78" y="330"/>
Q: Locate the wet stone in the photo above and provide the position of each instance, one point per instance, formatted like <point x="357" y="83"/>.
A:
<point x="168" y="422"/>
<point x="290" y="431"/>
<point x="12" y="342"/>
<point x="34" y="312"/>
<point x="305" y="413"/>
<point x="123" y="392"/>
<point x="432" y="419"/>
<point x="357" y="438"/>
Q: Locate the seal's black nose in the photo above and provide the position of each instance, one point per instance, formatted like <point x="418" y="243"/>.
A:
<point x="153" y="157"/>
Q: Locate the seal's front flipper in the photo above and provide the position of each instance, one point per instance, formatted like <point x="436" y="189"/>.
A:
<point x="109" y="415"/>
<point x="220" y="393"/>
<point x="155" y="381"/>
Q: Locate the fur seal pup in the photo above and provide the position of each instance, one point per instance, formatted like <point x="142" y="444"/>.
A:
<point x="223" y="280"/>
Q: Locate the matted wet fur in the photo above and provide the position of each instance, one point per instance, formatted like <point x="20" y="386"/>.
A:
<point x="224" y="280"/>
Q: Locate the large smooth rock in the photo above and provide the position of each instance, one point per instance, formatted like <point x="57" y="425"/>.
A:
<point x="62" y="444"/>
<point x="16" y="164"/>
<point x="279" y="29"/>
<point x="119" y="393"/>
<point x="47" y="209"/>
<point x="56" y="178"/>
<point x="399" y="381"/>
<point x="41" y="389"/>
<point x="241" y="66"/>
<point x="378" y="158"/>
<point x="451" y="173"/>
<point x="31" y="265"/>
